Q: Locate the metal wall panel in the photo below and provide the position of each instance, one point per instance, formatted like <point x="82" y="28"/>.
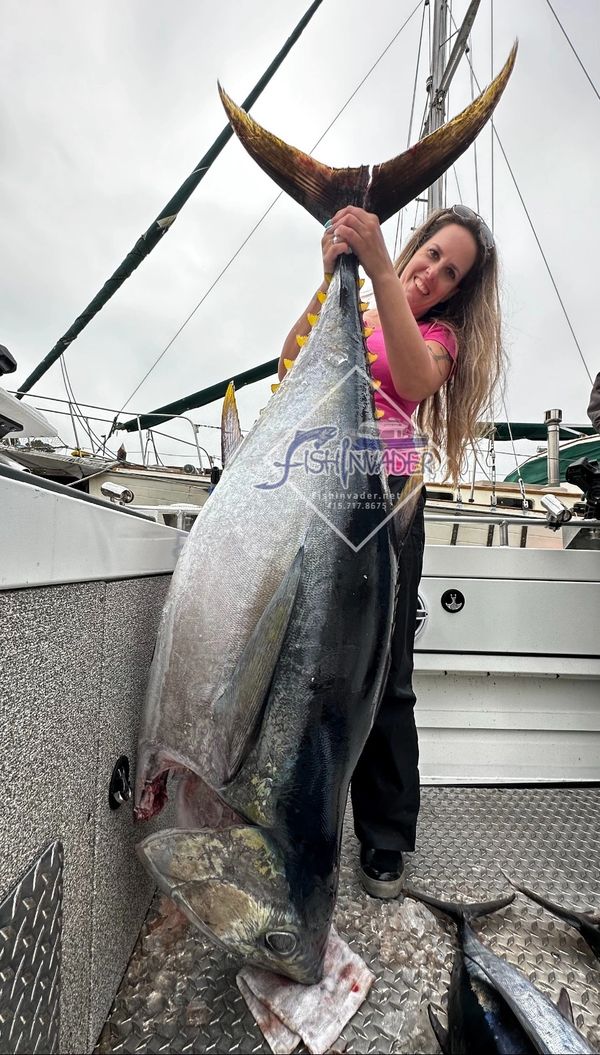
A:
<point x="30" y="956"/>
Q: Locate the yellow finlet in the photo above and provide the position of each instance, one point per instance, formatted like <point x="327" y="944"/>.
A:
<point x="368" y="330"/>
<point x="321" y="297"/>
<point x="375" y="382"/>
<point x="361" y="282"/>
<point x="274" y="388"/>
<point x="372" y="357"/>
<point x="301" y="339"/>
<point x="288" y="363"/>
<point x="379" y="413"/>
<point x="364" y="305"/>
<point x="312" y="319"/>
<point x="328" y="277"/>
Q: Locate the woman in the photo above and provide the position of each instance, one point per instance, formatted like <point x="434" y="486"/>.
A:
<point x="437" y="352"/>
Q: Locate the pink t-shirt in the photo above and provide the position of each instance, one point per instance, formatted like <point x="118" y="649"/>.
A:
<point x="395" y="411"/>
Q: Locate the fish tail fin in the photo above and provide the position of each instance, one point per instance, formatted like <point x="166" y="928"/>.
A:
<point x="323" y="190"/>
<point x="565" y="914"/>
<point x="461" y="912"/>
<point x="398" y="181"/>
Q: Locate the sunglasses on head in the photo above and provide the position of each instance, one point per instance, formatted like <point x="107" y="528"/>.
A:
<point x="487" y="238"/>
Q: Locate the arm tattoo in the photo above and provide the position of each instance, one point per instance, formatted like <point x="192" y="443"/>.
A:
<point x="440" y="357"/>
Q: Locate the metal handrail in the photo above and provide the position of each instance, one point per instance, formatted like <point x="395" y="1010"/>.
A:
<point x="482" y="518"/>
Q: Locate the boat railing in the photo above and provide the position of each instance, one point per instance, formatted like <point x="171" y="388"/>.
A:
<point x="504" y="522"/>
<point x="179" y="417"/>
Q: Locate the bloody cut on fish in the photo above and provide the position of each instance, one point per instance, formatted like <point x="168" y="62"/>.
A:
<point x="272" y="651"/>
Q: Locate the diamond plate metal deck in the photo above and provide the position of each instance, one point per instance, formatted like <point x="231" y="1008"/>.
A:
<point x="30" y="945"/>
<point x="179" y="994"/>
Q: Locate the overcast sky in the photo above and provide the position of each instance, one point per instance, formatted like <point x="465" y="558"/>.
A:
<point x="105" y="108"/>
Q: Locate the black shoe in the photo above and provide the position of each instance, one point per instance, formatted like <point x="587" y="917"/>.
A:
<point x="381" y="872"/>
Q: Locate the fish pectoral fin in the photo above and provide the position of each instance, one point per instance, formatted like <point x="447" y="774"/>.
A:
<point x="241" y="705"/>
<point x="565" y="1006"/>
<point x="405" y="506"/>
<point x="231" y="433"/>
<point x="441" y="1034"/>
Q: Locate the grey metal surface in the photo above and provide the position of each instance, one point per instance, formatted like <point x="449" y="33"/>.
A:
<point x="179" y="994"/>
<point x="30" y="953"/>
<point x="74" y="663"/>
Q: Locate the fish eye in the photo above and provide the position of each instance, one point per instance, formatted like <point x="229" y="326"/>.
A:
<point x="281" y="941"/>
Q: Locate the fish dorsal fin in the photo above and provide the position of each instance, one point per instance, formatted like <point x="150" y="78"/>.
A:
<point x="240" y="706"/>
<point x="565" y="1006"/>
<point x="231" y="433"/>
<point x="441" y="1034"/>
<point x="323" y="190"/>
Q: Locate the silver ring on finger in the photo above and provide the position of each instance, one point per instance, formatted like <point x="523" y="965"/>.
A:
<point x="335" y="239"/>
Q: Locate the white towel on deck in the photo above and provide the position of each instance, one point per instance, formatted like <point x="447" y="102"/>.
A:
<point x="287" y="1012"/>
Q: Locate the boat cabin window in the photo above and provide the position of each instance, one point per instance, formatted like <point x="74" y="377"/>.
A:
<point x="514" y="503"/>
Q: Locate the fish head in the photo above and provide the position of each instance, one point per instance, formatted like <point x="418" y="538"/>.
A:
<point x="232" y="885"/>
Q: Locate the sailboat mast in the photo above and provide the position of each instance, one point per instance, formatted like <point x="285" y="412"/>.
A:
<point x="437" y="106"/>
<point x="442" y="73"/>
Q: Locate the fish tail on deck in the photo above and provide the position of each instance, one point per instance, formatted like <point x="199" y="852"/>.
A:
<point x="461" y="912"/>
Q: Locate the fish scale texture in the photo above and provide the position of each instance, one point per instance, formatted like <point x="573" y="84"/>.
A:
<point x="244" y="557"/>
<point x="179" y="994"/>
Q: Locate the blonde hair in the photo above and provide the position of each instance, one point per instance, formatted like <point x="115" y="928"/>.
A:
<point x="451" y="417"/>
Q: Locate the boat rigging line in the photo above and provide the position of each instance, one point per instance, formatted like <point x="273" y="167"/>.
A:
<point x="535" y="235"/>
<point x="146" y="243"/>
<point x="574" y="50"/>
<point x="400" y="221"/>
<point x="265" y="214"/>
<point x="75" y="409"/>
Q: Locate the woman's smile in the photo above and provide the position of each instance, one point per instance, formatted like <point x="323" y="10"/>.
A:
<point x="437" y="268"/>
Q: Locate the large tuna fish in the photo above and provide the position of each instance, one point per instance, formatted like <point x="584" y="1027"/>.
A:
<point x="272" y="650"/>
